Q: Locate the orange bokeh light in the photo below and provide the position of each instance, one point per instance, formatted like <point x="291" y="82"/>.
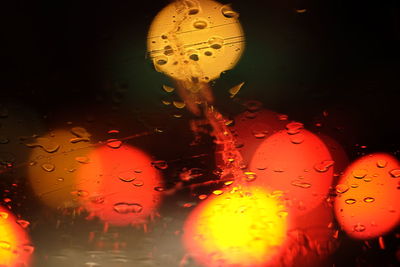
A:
<point x="15" y="247"/>
<point x="243" y="227"/>
<point x="368" y="196"/>
<point x="296" y="162"/>
<point x="118" y="185"/>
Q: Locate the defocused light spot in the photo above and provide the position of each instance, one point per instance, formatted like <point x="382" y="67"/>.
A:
<point x="120" y="185"/>
<point x="369" y="206"/>
<point x="15" y="247"/>
<point x="289" y="166"/>
<point x="244" y="227"/>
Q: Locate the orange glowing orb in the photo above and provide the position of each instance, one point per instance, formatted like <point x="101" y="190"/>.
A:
<point x="296" y="162"/>
<point x="367" y="205"/>
<point x="243" y="227"/>
<point x="54" y="159"/>
<point x="195" y="40"/>
<point x="118" y="185"/>
<point x="15" y="247"/>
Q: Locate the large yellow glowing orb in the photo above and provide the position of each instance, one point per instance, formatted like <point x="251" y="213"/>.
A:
<point x="243" y="227"/>
<point x="195" y="40"/>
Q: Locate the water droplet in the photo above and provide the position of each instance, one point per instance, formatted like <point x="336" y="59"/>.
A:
<point x="301" y="11"/>
<point x="3" y="215"/>
<point x="168" y="89"/>
<point x="127" y="176"/>
<point x="168" y="51"/>
<point x="203" y="196"/>
<point x="234" y="90"/>
<point x="97" y="199"/>
<point x="227" y="12"/>
<point x="194" y="57"/>
<point x="250" y="176"/>
<point x="324" y="165"/>
<point x="359" y="227"/>
<point x="350" y="201"/>
<point x="283" y="214"/>
<point x="28" y="248"/>
<point x="160" y="164"/>
<point x="354" y="185"/>
<point x="113" y="131"/>
<point x="297" y="138"/>
<point x="138" y="183"/>
<point x="60" y="179"/>
<point x="395" y="173"/>
<point x="23" y="223"/>
<point x="5" y="245"/>
<point x="82" y="159"/>
<point x="359" y="174"/>
<point x="48" y="167"/>
<point x="381" y="163"/>
<point x="216" y="42"/>
<point x="367" y="179"/>
<point x="45" y="143"/>
<point x="208" y="53"/>
<point x="4" y="140"/>
<point x="179" y="104"/>
<point x="81" y="133"/>
<point x="200" y="24"/>
<point x="218" y="192"/>
<point x="161" y="60"/>
<point x="159" y="188"/>
<point x="369" y="199"/>
<point x="301" y="184"/>
<point x="114" y="143"/>
<point x="341" y="188"/>
<point x="283" y="117"/>
<point x="125" y="208"/>
<point x="294" y="127"/>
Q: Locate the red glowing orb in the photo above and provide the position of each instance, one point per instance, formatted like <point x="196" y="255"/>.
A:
<point x="296" y="162"/>
<point x="15" y="247"/>
<point x="118" y="185"/>
<point x="367" y="205"/>
<point x="243" y="227"/>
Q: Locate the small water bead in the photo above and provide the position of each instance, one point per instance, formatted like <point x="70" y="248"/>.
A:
<point x="200" y="24"/>
<point x="359" y="227"/>
<point x="138" y="183"/>
<point x="127" y="176"/>
<point x="341" y="188"/>
<point x="324" y="165"/>
<point x="297" y="138"/>
<point x="168" y="89"/>
<point x="350" y="201"/>
<point x="114" y="143"/>
<point x="359" y="174"/>
<point x="381" y="163"/>
<point x="369" y="199"/>
<point x="395" y="173"/>
<point x="45" y="143"/>
<point x="28" y="248"/>
<point x="168" y="51"/>
<point x="301" y="184"/>
<point x="161" y="60"/>
<point x="216" y="42"/>
<point x="294" y="127"/>
<point x="3" y="215"/>
<point x="159" y="188"/>
<point x="218" y="192"/>
<point x="23" y="223"/>
<point x="82" y="159"/>
<point x="227" y="12"/>
<point x="125" y="208"/>
<point x="160" y="164"/>
<point x="194" y="57"/>
<point x="81" y="133"/>
<point x="208" y="53"/>
<point x="250" y="176"/>
<point x="48" y="167"/>
<point x="4" y="140"/>
<point x="5" y="245"/>
<point x="179" y="104"/>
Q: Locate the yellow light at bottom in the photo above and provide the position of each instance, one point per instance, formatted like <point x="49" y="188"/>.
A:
<point x="244" y="227"/>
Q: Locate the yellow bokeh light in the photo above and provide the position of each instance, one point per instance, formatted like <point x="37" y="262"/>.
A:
<point x="245" y="227"/>
<point x="195" y="40"/>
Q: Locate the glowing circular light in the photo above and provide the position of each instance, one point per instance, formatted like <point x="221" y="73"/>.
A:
<point x="118" y="185"/>
<point x="244" y="227"/>
<point x="368" y="196"/>
<point x="296" y="162"/>
<point x="195" y="40"/>
<point x="54" y="159"/>
<point x="15" y="247"/>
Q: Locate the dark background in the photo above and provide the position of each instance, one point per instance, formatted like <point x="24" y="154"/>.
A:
<point x="66" y="59"/>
